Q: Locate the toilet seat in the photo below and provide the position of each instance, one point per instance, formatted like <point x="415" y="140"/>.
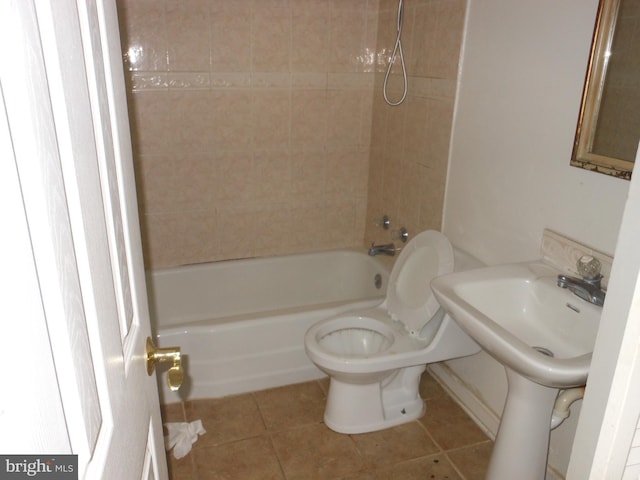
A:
<point x="409" y="296"/>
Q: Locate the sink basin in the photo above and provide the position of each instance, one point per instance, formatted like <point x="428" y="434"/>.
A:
<point x="544" y="336"/>
<point x="519" y="315"/>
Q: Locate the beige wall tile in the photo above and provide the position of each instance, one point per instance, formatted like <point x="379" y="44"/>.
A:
<point x="438" y="126"/>
<point x="410" y="143"/>
<point x="449" y="34"/>
<point x="424" y="36"/>
<point x="347" y="39"/>
<point x="345" y="116"/>
<point x="347" y="172"/>
<point x="179" y="238"/>
<point x="269" y="134"/>
<point x="309" y="118"/>
<point x="231" y="40"/>
<point x="144" y="33"/>
<point x="310" y="40"/>
<point x="231" y="117"/>
<point x="234" y="168"/>
<point x="271" y="171"/>
<point x="148" y="114"/>
<point x="271" y="38"/>
<point x="271" y="113"/>
<point x="237" y="230"/>
<point x="272" y="230"/>
<point x="188" y="35"/>
<point x="308" y="173"/>
<point x="194" y="181"/>
<point x="154" y="179"/>
<point x="188" y="122"/>
<point x="316" y="7"/>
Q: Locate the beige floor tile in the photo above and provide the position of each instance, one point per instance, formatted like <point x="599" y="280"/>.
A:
<point x="180" y="469"/>
<point x="472" y="461"/>
<point x="434" y="467"/>
<point x="394" y="445"/>
<point x="291" y="406"/>
<point x="248" y="459"/>
<point x="226" y="419"/>
<point x="430" y="388"/>
<point x="315" y="452"/>
<point x="172" y="412"/>
<point x="449" y="425"/>
<point x="371" y="475"/>
<point x="277" y="434"/>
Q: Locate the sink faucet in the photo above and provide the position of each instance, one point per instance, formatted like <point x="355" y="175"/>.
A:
<point x="386" y="249"/>
<point x="588" y="289"/>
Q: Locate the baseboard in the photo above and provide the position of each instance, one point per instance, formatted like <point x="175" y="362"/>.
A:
<point x="479" y="412"/>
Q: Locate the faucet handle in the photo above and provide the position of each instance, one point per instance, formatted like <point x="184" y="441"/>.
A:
<point x="383" y="222"/>
<point x="402" y="235"/>
<point x="589" y="267"/>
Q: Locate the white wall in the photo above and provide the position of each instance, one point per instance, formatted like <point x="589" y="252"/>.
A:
<point x="523" y="70"/>
<point x="522" y="75"/>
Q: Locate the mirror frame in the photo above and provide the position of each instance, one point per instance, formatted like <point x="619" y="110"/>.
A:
<point x="583" y="156"/>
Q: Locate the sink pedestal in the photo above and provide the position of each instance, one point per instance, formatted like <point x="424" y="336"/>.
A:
<point x="522" y="443"/>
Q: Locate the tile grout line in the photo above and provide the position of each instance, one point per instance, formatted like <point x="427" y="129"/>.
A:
<point x="269" y="434"/>
<point x="275" y="453"/>
<point x="455" y="464"/>
<point x="429" y="434"/>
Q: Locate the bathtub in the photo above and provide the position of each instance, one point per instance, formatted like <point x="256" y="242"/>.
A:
<point x="241" y="323"/>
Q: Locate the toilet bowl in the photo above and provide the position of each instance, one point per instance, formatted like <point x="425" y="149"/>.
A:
<point x="375" y="357"/>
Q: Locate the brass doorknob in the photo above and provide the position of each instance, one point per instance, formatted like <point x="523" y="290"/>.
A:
<point x="175" y="375"/>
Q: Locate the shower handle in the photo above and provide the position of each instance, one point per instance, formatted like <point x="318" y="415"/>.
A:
<point x="175" y="375"/>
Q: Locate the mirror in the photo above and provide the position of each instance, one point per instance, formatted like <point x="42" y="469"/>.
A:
<point x="609" y="123"/>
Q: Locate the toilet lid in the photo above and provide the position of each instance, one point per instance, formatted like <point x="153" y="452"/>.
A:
<point x="409" y="296"/>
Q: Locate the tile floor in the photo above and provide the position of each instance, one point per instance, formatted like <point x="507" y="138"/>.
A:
<point x="279" y="434"/>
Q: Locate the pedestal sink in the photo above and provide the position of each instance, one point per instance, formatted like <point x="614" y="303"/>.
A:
<point x="543" y="335"/>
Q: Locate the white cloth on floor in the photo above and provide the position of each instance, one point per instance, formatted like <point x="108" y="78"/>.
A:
<point x="182" y="436"/>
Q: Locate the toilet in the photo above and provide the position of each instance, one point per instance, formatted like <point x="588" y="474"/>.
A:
<point x="375" y="357"/>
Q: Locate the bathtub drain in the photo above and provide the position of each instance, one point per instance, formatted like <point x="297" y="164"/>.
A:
<point x="377" y="281"/>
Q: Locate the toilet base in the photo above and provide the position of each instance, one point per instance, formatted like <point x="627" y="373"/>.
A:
<point x="360" y="408"/>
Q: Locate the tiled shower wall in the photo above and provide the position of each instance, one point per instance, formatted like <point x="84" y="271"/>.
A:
<point x="259" y="129"/>
<point x="251" y="122"/>
<point x="410" y="143"/>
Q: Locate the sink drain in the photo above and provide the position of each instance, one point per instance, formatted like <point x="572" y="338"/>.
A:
<point x="544" y="351"/>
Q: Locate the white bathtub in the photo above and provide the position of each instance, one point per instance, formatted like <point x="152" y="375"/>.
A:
<point x="241" y="323"/>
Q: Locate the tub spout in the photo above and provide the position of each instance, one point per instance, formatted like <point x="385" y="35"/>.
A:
<point x="386" y="249"/>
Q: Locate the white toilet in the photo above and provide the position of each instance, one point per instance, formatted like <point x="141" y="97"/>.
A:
<point x="375" y="357"/>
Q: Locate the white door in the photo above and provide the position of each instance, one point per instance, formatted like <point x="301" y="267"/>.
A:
<point x="72" y="292"/>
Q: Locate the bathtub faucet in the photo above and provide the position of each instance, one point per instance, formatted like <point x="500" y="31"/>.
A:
<point x="386" y="249"/>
